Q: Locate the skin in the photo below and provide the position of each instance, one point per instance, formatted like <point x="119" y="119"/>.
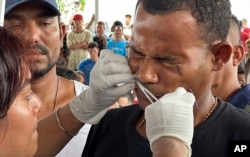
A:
<point x="118" y="33"/>
<point x="21" y="116"/>
<point x="127" y="23"/>
<point x="30" y="23"/>
<point x="127" y="20"/>
<point x="47" y="32"/>
<point x="226" y="81"/>
<point x="174" y="147"/>
<point x="100" y="33"/>
<point x="247" y="54"/>
<point x="100" y="30"/>
<point x="78" y="25"/>
<point x="93" y="52"/>
<point x="78" y="28"/>
<point x="175" y="47"/>
<point x="242" y="79"/>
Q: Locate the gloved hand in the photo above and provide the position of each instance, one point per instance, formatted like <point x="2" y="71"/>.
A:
<point x="110" y="79"/>
<point x="171" y="115"/>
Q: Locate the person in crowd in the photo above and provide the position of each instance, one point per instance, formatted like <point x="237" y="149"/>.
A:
<point x="56" y="129"/>
<point x="247" y="71"/>
<point x="245" y="27"/>
<point x="247" y="52"/>
<point x="124" y="100"/>
<point x="90" y="23"/>
<point x="100" y="37"/>
<point x="86" y="65"/>
<point x="165" y="54"/>
<point x="244" y="36"/>
<point x="117" y="43"/>
<point x="66" y="72"/>
<point x="77" y="41"/>
<point x="226" y="83"/>
<point x="241" y="77"/>
<point x="37" y="23"/>
<point x="127" y="27"/>
<point x="19" y="106"/>
<point x="112" y="29"/>
<point x="81" y="76"/>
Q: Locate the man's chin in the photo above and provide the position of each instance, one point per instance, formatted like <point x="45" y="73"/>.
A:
<point x="38" y="72"/>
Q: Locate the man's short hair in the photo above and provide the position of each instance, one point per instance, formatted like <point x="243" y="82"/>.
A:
<point x="213" y="21"/>
<point x="128" y="16"/>
<point x="93" y="45"/>
<point x="100" y="23"/>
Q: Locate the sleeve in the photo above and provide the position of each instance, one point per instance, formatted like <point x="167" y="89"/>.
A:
<point x="69" y="39"/>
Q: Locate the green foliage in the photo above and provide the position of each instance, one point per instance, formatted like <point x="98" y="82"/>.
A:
<point x="62" y="4"/>
<point x="82" y="4"/>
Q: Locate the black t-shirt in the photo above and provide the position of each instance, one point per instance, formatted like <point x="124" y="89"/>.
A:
<point x="116" y="136"/>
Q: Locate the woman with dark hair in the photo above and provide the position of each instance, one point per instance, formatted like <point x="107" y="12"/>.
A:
<point x="18" y="104"/>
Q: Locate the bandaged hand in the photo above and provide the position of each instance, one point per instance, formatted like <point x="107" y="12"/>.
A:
<point x="172" y="116"/>
<point x="110" y="79"/>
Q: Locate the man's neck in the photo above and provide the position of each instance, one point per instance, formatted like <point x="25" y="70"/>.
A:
<point x="78" y="30"/>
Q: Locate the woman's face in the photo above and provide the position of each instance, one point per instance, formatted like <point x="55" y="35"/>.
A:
<point x="18" y="134"/>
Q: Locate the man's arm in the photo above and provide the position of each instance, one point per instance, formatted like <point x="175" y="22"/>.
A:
<point x="51" y="138"/>
<point x="169" y="147"/>
<point x="81" y="45"/>
<point x="91" y="22"/>
<point x="55" y="130"/>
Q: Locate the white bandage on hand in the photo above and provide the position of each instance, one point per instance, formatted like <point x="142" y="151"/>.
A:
<point x="171" y="115"/>
<point x="109" y="71"/>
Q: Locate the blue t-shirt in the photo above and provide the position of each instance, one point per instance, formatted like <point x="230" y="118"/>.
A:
<point x="86" y="66"/>
<point x="119" y="47"/>
<point x="241" y="98"/>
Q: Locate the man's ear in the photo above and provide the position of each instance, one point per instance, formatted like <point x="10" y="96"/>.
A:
<point x="222" y="52"/>
<point x="62" y="28"/>
<point x="238" y="53"/>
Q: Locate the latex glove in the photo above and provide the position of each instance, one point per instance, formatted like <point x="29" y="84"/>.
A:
<point x="109" y="71"/>
<point x="171" y="115"/>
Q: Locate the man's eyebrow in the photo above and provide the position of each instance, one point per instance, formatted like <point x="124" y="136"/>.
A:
<point x="133" y="48"/>
<point x="12" y="17"/>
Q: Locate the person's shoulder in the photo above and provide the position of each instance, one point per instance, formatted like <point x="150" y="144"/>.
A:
<point x="79" y="87"/>
<point x="87" y="31"/>
<point x="246" y="88"/>
<point x="238" y="114"/>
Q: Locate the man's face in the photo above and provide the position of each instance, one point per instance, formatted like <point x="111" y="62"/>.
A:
<point x="242" y="79"/>
<point x="93" y="51"/>
<point x="40" y="30"/>
<point x="127" y="20"/>
<point x="78" y="24"/>
<point x="165" y="55"/>
<point x="118" y="32"/>
<point x="100" y="29"/>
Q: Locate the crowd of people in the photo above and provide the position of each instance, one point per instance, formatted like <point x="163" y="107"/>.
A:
<point x="190" y="66"/>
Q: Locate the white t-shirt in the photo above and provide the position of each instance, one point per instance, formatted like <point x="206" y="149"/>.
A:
<point x="75" y="146"/>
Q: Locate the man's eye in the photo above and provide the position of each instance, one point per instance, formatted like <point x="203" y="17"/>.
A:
<point x="29" y="96"/>
<point x="14" y="27"/>
<point x="46" y="24"/>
